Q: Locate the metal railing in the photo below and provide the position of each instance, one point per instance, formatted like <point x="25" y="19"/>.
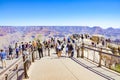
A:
<point x="19" y="68"/>
<point x="101" y="56"/>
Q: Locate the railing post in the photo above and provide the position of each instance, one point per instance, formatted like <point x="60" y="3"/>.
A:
<point x="110" y="64"/>
<point x="100" y="54"/>
<point x="78" y="52"/>
<point x="33" y="56"/>
<point x="6" y="76"/>
<point x="82" y="48"/>
<point x="17" y="70"/>
<point x="25" y="65"/>
<point x="94" y="56"/>
<point x="87" y="54"/>
<point x="48" y="51"/>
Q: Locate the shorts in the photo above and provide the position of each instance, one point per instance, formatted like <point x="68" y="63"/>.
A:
<point x="10" y="53"/>
<point x="3" y="60"/>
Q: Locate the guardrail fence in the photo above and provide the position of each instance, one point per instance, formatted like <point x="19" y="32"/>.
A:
<point x="101" y="56"/>
<point x="19" y="68"/>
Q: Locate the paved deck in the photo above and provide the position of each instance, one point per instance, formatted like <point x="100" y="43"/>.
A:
<point x="8" y="63"/>
<point x="60" y="69"/>
<point x="54" y="68"/>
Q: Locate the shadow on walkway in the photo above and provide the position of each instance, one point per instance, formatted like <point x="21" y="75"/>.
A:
<point x="91" y="69"/>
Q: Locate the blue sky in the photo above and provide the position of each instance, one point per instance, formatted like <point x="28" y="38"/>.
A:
<point x="104" y="13"/>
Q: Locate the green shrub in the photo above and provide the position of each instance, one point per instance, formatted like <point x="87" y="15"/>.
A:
<point x="117" y="68"/>
<point x="114" y="50"/>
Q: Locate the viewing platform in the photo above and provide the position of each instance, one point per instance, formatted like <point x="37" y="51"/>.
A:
<point x="63" y="68"/>
<point x="87" y="62"/>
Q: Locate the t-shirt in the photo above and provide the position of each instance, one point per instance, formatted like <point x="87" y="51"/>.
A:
<point x="3" y="55"/>
<point x="39" y="45"/>
<point x="34" y="44"/>
<point x="17" y="49"/>
<point x="10" y="49"/>
<point x="70" y="47"/>
<point x="23" y="47"/>
<point x="59" y="47"/>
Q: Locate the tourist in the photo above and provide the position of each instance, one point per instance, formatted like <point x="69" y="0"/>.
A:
<point x="103" y="42"/>
<point x="17" y="49"/>
<point x="40" y="49"/>
<point x="77" y="47"/>
<point x="20" y="48"/>
<point x="48" y="47"/>
<point x="10" y="52"/>
<point x="23" y="46"/>
<point x="64" y="40"/>
<point x="16" y="45"/>
<point x="3" y="57"/>
<point x="34" y="44"/>
<point x="17" y="52"/>
<point x="45" y="46"/>
<point x="59" y="47"/>
<point x="30" y="46"/>
<point x="66" y="50"/>
<point x="70" y="49"/>
<point x="52" y="43"/>
<point x="28" y="60"/>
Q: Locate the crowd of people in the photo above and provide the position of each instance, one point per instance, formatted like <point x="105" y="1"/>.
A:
<point x="13" y="52"/>
<point x="42" y="48"/>
<point x="66" y="45"/>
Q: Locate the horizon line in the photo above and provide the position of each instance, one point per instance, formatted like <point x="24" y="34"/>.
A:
<point x="57" y="26"/>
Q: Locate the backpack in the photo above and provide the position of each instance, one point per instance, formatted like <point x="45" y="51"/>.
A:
<point x="73" y="41"/>
<point x="70" y="47"/>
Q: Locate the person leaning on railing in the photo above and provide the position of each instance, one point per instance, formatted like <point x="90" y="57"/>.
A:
<point x="27" y="57"/>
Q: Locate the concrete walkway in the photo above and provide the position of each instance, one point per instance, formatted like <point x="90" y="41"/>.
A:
<point x="54" y="68"/>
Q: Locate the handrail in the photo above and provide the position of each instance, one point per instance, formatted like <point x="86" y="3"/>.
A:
<point x="109" y="58"/>
<point x="13" y="69"/>
<point x="10" y="66"/>
<point x="10" y="73"/>
<point x="103" y="52"/>
<point x="98" y="47"/>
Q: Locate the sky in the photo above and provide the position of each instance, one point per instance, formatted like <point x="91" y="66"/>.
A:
<point x="104" y="13"/>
